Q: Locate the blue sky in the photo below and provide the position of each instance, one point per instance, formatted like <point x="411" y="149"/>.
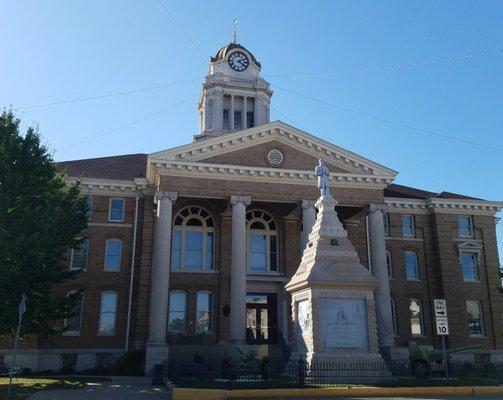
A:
<point x="435" y="66"/>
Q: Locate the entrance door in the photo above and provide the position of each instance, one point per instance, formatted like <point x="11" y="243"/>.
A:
<point x="261" y="318"/>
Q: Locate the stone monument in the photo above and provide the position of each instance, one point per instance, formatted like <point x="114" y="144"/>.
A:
<point x="333" y="306"/>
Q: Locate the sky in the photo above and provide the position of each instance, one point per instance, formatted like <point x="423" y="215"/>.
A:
<point x="416" y="85"/>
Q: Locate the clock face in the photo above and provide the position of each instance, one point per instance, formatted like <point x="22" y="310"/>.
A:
<point x="238" y="61"/>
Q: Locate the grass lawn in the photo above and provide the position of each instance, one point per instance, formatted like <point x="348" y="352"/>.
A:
<point x="23" y="387"/>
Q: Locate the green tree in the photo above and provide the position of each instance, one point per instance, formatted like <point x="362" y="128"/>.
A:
<point x="40" y="216"/>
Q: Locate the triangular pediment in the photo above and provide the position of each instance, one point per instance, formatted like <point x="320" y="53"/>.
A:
<point x="250" y="147"/>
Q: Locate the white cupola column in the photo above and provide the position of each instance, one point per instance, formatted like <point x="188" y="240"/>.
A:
<point x="380" y="271"/>
<point x="157" y="350"/>
<point x="231" y="116"/>
<point x="238" y="269"/>
<point x="308" y="220"/>
<point x="218" y="111"/>
<point x="244" y="119"/>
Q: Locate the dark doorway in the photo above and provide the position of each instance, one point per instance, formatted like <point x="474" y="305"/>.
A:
<point x="261" y="318"/>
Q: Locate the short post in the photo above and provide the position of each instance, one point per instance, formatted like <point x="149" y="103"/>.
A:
<point x="21" y="311"/>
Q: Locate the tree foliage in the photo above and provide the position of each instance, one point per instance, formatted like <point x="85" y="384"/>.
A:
<point x="40" y="217"/>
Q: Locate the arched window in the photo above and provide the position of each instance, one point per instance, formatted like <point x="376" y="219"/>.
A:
<point x="193" y="239"/>
<point x="262" y="242"/>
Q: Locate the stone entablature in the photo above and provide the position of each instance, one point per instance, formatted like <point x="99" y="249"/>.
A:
<point x="110" y="187"/>
<point x="438" y="205"/>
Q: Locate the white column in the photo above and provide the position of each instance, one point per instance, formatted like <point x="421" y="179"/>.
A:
<point x="244" y="119"/>
<point x="380" y="271"/>
<point x="157" y="350"/>
<point x="308" y="220"/>
<point x="218" y="111"/>
<point x="238" y="269"/>
<point x="231" y="116"/>
<point x="258" y="112"/>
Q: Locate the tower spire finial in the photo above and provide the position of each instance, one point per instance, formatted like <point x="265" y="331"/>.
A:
<point x="234" y="34"/>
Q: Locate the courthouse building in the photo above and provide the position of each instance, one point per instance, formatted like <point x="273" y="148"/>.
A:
<point x="188" y="250"/>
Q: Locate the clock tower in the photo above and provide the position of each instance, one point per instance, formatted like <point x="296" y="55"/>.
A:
<point x="233" y="96"/>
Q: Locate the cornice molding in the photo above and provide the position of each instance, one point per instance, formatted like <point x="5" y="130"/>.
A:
<point x="447" y="206"/>
<point x="111" y="187"/>
<point x="261" y="174"/>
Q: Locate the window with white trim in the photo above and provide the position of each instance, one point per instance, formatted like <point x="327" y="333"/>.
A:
<point x="73" y="323"/>
<point x="250" y="119"/>
<point x="262" y="246"/>
<point x="225" y="116"/>
<point x="385" y="218"/>
<point x="416" y="317"/>
<point x="78" y="259"/>
<point x="411" y="266"/>
<point x="389" y="264"/>
<point x="108" y="313"/>
<point x="470" y="265"/>
<point x="113" y="254"/>
<point x="238" y="121"/>
<point x="193" y="240"/>
<point x="465" y="226"/>
<point x="475" y="318"/>
<point x="177" y="314"/>
<point x="408" y="227"/>
<point x="393" y="316"/>
<point x="204" y="311"/>
<point x="116" y="210"/>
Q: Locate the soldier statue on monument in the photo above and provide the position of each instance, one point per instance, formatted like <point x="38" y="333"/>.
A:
<point x="321" y="171"/>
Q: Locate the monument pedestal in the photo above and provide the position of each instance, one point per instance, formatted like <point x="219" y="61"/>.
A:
<point x="333" y="304"/>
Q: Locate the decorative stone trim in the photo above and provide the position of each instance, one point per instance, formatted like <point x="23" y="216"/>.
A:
<point x="261" y="174"/>
<point x="437" y="205"/>
<point x="283" y="133"/>
<point x="110" y="187"/>
<point x="246" y="200"/>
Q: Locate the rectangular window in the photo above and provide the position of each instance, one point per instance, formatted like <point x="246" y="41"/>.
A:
<point x="416" y="318"/>
<point x="108" y="313"/>
<point x="204" y="312"/>
<point x="208" y="261"/>
<point x="393" y="316"/>
<point x="193" y="254"/>
<point x="116" y="210"/>
<point x="73" y="324"/>
<point x="238" y="123"/>
<point x="408" y="228"/>
<point x="273" y="253"/>
<point x="385" y="218"/>
<point x="89" y="207"/>
<point x="79" y="256"/>
<point x="250" y="119"/>
<point x="226" y="123"/>
<point x="177" y="322"/>
<point x="113" y="253"/>
<point x="470" y="265"/>
<point x="475" y="318"/>
<point x="411" y="265"/>
<point x="465" y="226"/>
<point x="176" y="250"/>
<point x="257" y="255"/>
<point x="389" y="264"/>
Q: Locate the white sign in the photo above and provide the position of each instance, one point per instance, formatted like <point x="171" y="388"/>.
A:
<point x="344" y="323"/>
<point x="442" y="326"/>
<point x="440" y="308"/>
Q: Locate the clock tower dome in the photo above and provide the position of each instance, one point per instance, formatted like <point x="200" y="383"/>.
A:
<point x="233" y="96"/>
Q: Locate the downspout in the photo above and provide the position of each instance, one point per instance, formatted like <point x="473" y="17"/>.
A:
<point x="131" y="279"/>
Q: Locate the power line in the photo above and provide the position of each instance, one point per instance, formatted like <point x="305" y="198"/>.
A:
<point x="399" y="124"/>
<point x="108" y="95"/>
<point x="394" y="67"/>
<point x="128" y="124"/>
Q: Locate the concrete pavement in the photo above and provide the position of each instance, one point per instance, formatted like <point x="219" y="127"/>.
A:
<point x="119" y="388"/>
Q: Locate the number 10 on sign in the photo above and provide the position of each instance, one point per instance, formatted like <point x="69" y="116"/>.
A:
<point x="442" y="326"/>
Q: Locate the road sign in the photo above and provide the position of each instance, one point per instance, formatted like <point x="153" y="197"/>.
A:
<point x="442" y="326"/>
<point x="440" y="308"/>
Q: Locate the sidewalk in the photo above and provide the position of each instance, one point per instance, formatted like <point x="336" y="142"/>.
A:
<point x="119" y="388"/>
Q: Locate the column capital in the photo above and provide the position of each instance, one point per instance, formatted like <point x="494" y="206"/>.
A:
<point x="379" y="207"/>
<point x="161" y="195"/>
<point x="308" y="203"/>
<point x="246" y="200"/>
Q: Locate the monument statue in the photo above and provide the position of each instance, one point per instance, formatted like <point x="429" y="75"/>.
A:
<point x="322" y="173"/>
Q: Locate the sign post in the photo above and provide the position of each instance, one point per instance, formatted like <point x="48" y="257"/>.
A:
<point x="21" y="311"/>
<point x="442" y="328"/>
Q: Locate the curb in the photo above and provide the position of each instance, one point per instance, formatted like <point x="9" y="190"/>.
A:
<point x="218" y="394"/>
